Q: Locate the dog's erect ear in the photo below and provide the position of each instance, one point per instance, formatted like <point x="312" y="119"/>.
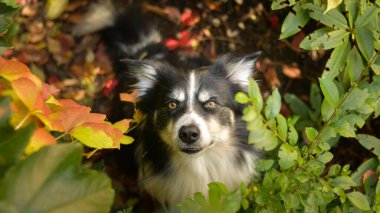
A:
<point x="145" y="74"/>
<point x="238" y="69"/>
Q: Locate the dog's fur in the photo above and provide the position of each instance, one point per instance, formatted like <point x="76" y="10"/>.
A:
<point x="192" y="132"/>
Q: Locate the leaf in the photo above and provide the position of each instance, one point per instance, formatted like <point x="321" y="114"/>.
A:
<point x="315" y="98"/>
<point x="359" y="200"/>
<point x="325" y="157"/>
<point x="52" y="180"/>
<point x="97" y="135"/>
<point x="297" y="106"/>
<point x="40" y="138"/>
<point x="370" y="142"/>
<point x="332" y="18"/>
<point x="293" y="23"/>
<point x="12" y="70"/>
<point x="27" y="91"/>
<point x="129" y="97"/>
<point x="337" y="60"/>
<point x="273" y="105"/>
<point x="241" y="98"/>
<point x="330" y="91"/>
<point x="331" y="4"/>
<point x="255" y="94"/>
<point x="282" y="126"/>
<point x="264" y="165"/>
<point x="293" y="135"/>
<point x="12" y="144"/>
<point x="54" y="8"/>
<point x="325" y="38"/>
<point x="288" y="156"/>
<point x="369" y="164"/>
<point x="352" y="7"/>
<point x="344" y="182"/>
<point x="311" y="133"/>
<point x="365" y="41"/>
<point x="122" y="125"/>
<point x="371" y="13"/>
<point x="355" y="64"/>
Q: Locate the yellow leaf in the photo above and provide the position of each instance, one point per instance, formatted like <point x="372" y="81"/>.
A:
<point x="331" y="4"/>
<point x="126" y="140"/>
<point x="39" y="139"/>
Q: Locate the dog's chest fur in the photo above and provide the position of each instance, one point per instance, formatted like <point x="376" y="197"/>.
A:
<point x="185" y="175"/>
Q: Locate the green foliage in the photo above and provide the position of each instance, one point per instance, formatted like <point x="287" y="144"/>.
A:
<point x="296" y="175"/>
<point x="7" y="28"/>
<point x="51" y="179"/>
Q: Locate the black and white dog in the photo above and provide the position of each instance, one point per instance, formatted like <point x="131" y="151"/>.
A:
<point x="192" y="132"/>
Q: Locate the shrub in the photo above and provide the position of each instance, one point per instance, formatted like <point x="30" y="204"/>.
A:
<point x="294" y="176"/>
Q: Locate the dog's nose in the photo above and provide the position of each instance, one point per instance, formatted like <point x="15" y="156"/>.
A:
<point x="189" y="134"/>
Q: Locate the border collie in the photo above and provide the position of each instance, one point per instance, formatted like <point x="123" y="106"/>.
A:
<point x="192" y="132"/>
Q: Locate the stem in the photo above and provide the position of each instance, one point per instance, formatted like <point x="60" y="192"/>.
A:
<point x="61" y="136"/>
<point x="22" y="121"/>
<point x="353" y="86"/>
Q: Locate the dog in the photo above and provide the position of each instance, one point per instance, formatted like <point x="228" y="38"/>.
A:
<point x="192" y="132"/>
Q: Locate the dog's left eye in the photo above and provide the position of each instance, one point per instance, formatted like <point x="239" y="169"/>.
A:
<point x="210" y="104"/>
<point x="172" y="105"/>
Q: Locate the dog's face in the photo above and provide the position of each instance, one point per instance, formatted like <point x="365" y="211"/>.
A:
<point x="193" y="110"/>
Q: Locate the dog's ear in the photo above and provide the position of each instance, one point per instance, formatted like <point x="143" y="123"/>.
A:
<point x="145" y="73"/>
<point x="238" y="69"/>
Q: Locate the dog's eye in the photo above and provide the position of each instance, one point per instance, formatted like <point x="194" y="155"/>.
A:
<point x="210" y="104"/>
<point x="172" y="105"/>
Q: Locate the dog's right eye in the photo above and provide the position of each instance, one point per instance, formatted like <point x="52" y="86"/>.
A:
<point x="172" y="105"/>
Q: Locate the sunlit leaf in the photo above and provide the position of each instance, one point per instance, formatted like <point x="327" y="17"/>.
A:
<point x="288" y="156"/>
<point x="331" y="4"/>
<point x="367" y="16"/>
<point x="282" y="126"/>
<point x="332" y="18"/>
<point x="293" y="23"/>
<point x="97" y="135"/>
<point x="39" y="139"/>
<point x="330" y="91"/>
<point x="359" y="200"/>
<point x="12" y="70"/>
<point x="273" y="105"/>
<point x="370" y="142"/>
<point x="54" y="8"/>
<point x="337" y="60"/>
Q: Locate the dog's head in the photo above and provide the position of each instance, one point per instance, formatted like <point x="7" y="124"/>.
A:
<point x="192" y="110"/>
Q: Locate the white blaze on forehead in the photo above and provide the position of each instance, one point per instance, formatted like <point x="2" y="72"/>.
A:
<point x="191" y="90"/>
<point x="178" y="94"/>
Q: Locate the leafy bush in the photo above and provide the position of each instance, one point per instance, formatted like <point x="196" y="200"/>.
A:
<point x="7" y="28"/>
<point x="295" y="175"/>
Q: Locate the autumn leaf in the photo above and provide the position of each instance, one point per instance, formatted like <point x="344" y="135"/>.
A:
<point x="291" y="71"/>
<point x="138" y="116"/>
<point x="129" y="97"/>
<point x="12" y="70"/>
<point x="40" y="138"/>
<point x="122" y="125"/>
<point x="189" y="18"/>
<point x="27" y="91"/>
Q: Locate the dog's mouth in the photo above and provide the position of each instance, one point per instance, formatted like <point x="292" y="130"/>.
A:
<point x="191" y="150"/>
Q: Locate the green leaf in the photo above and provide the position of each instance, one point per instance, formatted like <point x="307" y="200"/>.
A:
<point x="365" y="42"/>
<point x="265" y="165"/>
<point x="282" y="126"/>
<point x="355" y="99"/>
<point x="273" y="105"/>
<point x="359" y="200"/>
<point x="333" y="18"/>
<point x="12" y="145"/>
<point x="5" y="23"/>
<point x="297" y="106"/>
<point x="334" y="170"/>
<point x="355" y="64"/>
<point x="52" y="180"/>
<point x="345" y="129"/>
<point x="371" y="13"/>
<point x="279" y="4"/>
<point x="241" y="98"/>
<point x="324" y="38"/>
<point x="337" y="60"/>
<point x="331" y="4"/>
<point x="293" y="135"/>
<point x="376" y="66"/>
<point x="311" y="133"/>
<point x="288" y="156"/>
<point x="325" y="157"/>
<point x="343" y="182"/>
<point x="330" y="91"/>
<point x="370" y="142"/>
<point x="293" y="23"/>
<point x="255" y="94"/>
<point x="352" y="7"/>
<point x="263" y="139"/>
<point x="315" y="98"/>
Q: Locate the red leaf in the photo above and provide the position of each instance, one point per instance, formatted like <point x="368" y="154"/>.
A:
<point x="189" y="18"/>
<point x="129" y="97"/>
<point x="171" y="43"/>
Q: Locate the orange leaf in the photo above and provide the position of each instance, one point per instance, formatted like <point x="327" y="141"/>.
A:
<point x="39" y="139"/>
<point x="291" y="71"/>
<point x="129" y="97"/>
<point x="26" y="90"/>
<point x="12" y="70"/>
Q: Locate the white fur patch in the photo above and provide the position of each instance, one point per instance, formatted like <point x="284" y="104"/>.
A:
<point x="240" y="71"/>
<point x="145" y="39"/>
<point x="178" y="94"/>
<point x="204" y="96"/>
<point x="146" y="79"/>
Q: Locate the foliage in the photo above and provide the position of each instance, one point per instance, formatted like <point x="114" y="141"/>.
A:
<point x="7" y="28"/>
<point x="34" y="101"/>
<point x="31" y="184"/>
<point x="296" y="175"/>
